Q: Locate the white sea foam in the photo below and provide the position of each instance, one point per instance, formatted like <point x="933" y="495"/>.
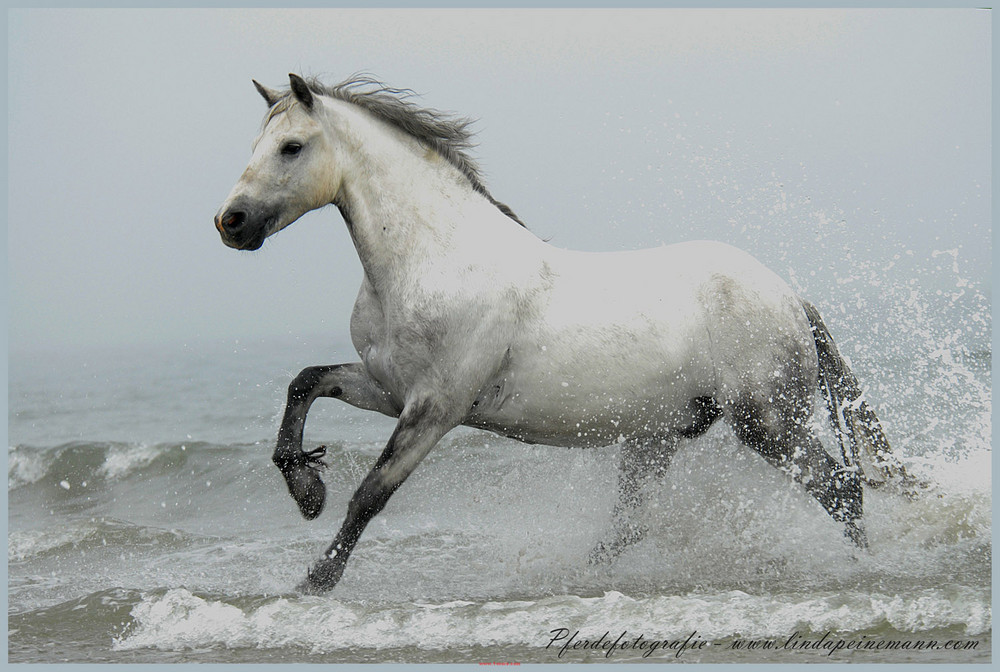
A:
<point x="22" y="545"/>
<point x="24" y="468"/>
<point x="122" y="460"/>
<point x="179" y="620"/>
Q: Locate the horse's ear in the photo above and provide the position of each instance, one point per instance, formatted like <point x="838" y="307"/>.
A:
<point x="270" y="95"/>
<point x="301" y="90"/>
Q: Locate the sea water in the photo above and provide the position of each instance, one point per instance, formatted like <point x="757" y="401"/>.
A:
<point x="147" y="524"/>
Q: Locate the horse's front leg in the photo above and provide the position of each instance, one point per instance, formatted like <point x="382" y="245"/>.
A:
<point x="420" y="426"/>
<point x="349" y="382"/>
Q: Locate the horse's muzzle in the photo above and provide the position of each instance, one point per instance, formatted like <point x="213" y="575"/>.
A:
<point x="239" y="231"/>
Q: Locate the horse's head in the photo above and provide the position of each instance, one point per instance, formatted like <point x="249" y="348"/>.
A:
<point x="290" y="173"/>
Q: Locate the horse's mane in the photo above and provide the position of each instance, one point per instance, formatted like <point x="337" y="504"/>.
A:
<point x="448" y="135"/>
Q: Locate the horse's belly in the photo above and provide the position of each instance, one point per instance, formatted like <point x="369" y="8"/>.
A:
<point x="596" y="396"/>
<point x="567" y="418"/>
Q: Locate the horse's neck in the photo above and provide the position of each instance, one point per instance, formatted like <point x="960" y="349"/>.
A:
<point x="406" y="207"/>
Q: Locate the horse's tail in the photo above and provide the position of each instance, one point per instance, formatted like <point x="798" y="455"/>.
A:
<point x="859" y="432"/>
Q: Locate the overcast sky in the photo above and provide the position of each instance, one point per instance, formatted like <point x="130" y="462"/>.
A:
<point x="843" y="148"/>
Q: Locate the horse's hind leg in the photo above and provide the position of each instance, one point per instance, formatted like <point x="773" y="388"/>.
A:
<point x="784" y="440"/>
<point x="348" y="382"/>
<point x="639" y="461"/>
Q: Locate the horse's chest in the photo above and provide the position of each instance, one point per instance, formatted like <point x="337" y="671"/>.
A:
<point x="381" y="350"/>
<point x="401" y="343"/>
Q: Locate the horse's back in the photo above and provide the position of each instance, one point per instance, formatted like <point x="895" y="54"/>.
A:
<point x="671" y="285"/>
<point x="688" y="297"/>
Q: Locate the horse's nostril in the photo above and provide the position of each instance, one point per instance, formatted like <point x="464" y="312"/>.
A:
<point x="233" y="220"/>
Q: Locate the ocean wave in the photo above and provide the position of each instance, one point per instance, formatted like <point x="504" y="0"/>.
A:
<point x="92" y="617"/>
<point x="82" y="535"/>
<point x="79" y="463"/>
<point x="178" y="619"/>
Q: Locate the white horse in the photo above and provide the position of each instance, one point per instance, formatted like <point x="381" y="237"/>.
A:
<point x="464" y="317"/>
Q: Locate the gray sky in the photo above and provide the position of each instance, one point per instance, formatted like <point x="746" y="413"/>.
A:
<point x="849" y="150"/>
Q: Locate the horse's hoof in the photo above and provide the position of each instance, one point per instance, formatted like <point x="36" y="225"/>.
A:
<point x="601" y="555"/>
<point x="322" y="577"/>
<point x="914" y="488"/>
<point x="307" y="587"/>
<point x="306" y="488"/>
<point x="856" y="533"/>
<point x="626" y="534"/>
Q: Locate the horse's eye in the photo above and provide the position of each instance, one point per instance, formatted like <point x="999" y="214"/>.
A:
<point x="291" y="148"/>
